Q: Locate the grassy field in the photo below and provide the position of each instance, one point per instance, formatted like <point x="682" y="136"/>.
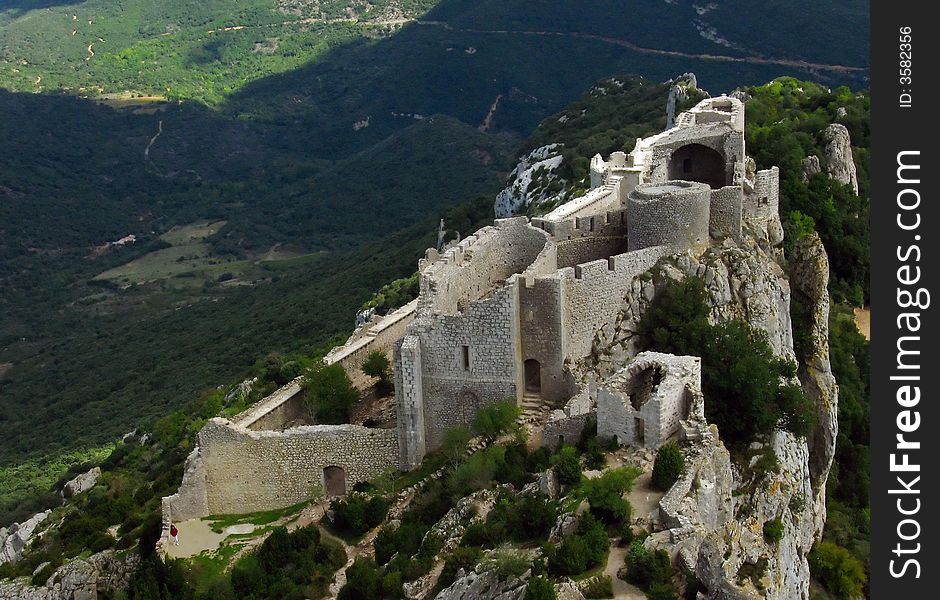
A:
<point x="189" y="257"/>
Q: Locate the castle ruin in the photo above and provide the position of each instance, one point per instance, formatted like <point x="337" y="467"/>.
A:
<point x="511" y="312"/>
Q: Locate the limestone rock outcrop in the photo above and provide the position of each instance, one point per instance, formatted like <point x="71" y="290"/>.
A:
<point x="484" y="583"/>
<point x="716" y="512"/>
<point x="105" y="573"/>
<point x="529" y="182"/>
<point x="14" y="539"/>
<point x="839" y="162"/>
<point x="82" y="483"/>
<point x="811" y="168"/>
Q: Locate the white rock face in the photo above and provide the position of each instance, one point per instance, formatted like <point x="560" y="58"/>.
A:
<point x="13" y="539"/>
<point x="839" y="162"/>
<point x="484" y="584"/>
<point x="518" y="195"/>
<point x="715" y="513"/>
<point x="104" y="573"/>
<point x="82" y="483"/>
<point x="811" y="167"/>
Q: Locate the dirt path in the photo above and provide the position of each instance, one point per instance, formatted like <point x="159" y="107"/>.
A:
<point x="622" y="589"/>
<point x="153" y="139"/>
<point x="863" y="321"/>
<point x="487" y="124"/>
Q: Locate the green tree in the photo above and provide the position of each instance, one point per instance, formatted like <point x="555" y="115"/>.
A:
<point x="377" y="365"/>
<point x="605" y="494"/>
<point x="567" y="465"/>
<point x="330" y="394"/>
<point x="454" y="443"/>
<point x="540" y="588"/>
<point x="746" y="395"/>
<point x="668" y="466"/>
<point x="496" y="419"/>
<point x="837" y="570"/>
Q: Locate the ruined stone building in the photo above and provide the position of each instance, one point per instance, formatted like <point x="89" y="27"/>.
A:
<point x="511" y="312"/>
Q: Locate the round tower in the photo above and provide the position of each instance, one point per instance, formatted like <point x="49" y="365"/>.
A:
<point x="674" y="213"/>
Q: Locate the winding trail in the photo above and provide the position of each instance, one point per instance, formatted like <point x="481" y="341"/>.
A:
<point x="152" y="140"/>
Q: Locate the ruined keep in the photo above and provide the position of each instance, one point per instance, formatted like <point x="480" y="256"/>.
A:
<point x="643" y="404"/>
<point x="511" y="312"/>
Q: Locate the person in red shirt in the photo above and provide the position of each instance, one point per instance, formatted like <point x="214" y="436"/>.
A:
<point x="175" y="534"/>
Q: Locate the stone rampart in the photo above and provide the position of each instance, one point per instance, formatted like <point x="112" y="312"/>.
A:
<point x="726" y="212"/>
<point x="593" y="292"/>
<point x="673" y="213"/>
<point x="241" y="471"/>
<point x="478" y="264"/>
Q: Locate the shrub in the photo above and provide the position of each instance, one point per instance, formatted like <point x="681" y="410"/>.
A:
<point x="540" y="588"/>
<point x="454" y="443"/>
<point x="330" y="394"/>
<point x="377" y="365"/>
<point x="646" y="568"/>
<point x="773" y="531"/>
<point x="668" y="466"/>
<point x="584" y="549"/>
<point x="287" y="564"/>
<point x="599" y="586"/>
<point x="567" y="465"/>
<point x="521" y="517"/>
<point x="460" y="558"/>
<point x="358" y="513"/>
<point x="363" y="581"/>
<point x="496" y="419"/>
<point x="605" y="494"/>
<point x="477" y="472"/>
<point x="837" y="570"/>
<point x="661" y="591"/>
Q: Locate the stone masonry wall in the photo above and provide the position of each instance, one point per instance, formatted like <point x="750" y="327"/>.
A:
<point x="409" y="397"/>
<point x="672" y="213"/>
<point x="478" y="264"/>
<point x="668" y="402"/>
<point x="593" y="292"/>
<point x="381" y="335"/>
<point x="726" y="213"/>
<point x="543" y="338"/>
<point x="248" y="471"/>
<point x="489" y="330"/>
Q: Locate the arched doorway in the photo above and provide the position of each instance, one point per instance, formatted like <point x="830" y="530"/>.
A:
<point x="533" y="377"/>
<point x="334" y="479"/>
<point x="695" y="162"/>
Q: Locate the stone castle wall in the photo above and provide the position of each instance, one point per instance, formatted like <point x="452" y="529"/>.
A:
<point x="593" y="292"/>
<point x="379" y="336"/>
<point x="667" y="401"/>
<point x="478" y="264"/>
<point x="583" y="239"/>
<point x="726" y="213"/>
<point x="241" y="471"/>
<point x="672" y="213"/>
<point x="469" y="360"/>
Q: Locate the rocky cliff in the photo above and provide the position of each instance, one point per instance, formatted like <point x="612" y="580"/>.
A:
<point x="838" y="155"/>
<point x="105" y="574"/>
<point x="715" y="515"/>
